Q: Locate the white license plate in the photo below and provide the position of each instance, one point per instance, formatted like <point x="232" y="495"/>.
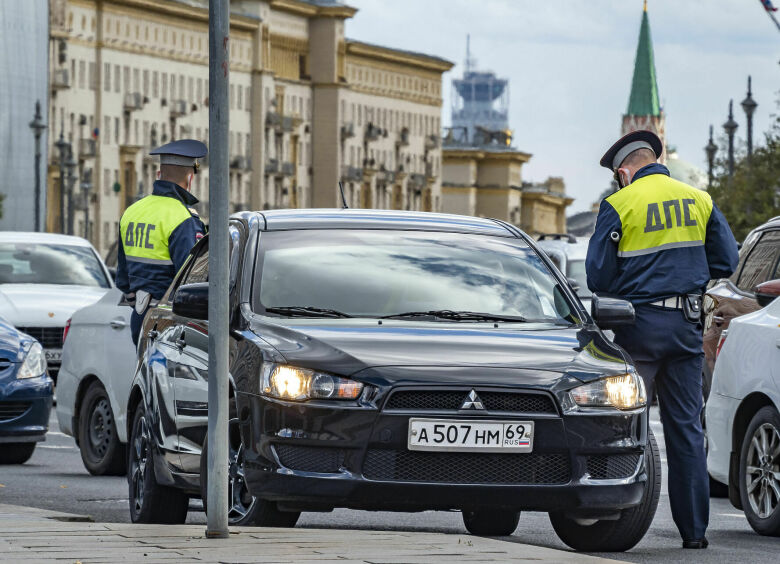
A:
<point x="53" y="355"/>
<point x="471" y="435"/>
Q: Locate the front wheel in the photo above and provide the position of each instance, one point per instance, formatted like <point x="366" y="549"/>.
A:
<point x="16" y="453"/>
<point x="491" y="523"/>
<point x="101" y="451"/>
<point x="759" y="472"/>
<point x="243" y="508"/>
<point x="149" y="501"/>
<point x="621" y="534"/>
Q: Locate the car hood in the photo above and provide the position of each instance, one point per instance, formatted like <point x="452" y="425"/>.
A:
<point x="44" y="305"/>
<point x="348" y="346"/>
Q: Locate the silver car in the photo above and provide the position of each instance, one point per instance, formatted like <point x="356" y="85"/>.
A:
<point x="98" y="360"/>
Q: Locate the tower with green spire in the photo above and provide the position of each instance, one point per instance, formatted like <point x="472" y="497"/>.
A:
<point x="644" y="107"/>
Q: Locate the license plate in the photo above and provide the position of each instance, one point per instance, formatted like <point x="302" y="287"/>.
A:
<point x="471" y="435"/>
<point x="53" y="355"/>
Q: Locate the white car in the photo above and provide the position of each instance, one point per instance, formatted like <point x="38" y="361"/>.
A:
<point x="44" y="278"/>
<point x="98" y="363"/>
<point x="743" y="415"/>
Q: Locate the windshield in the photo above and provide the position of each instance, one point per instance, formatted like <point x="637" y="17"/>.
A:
<point x="369" y="273"/>
<point x="35" y="263"/>
<point x="576" y="269"/>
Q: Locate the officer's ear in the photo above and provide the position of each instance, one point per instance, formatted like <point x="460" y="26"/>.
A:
<point x="624" y="177"/>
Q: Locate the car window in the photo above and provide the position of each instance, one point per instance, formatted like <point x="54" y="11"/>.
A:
<point x="760" y="261"/>
<point x="36" y="263"/>
<point x="575" y="269"/>
<point x="375" y="273"/>
<point x="200" y="268"/>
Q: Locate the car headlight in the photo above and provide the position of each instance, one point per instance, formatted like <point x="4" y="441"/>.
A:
<point x="299" y="384"/>
<point x="34" y="364"/>
<point x="624" y="391"/>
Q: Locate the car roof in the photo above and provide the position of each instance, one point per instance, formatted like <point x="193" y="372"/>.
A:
<point x="335" y="218"/>
<point x="46" y="238"/>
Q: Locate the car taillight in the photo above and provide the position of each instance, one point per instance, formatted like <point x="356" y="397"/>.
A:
<point x="65" y="331"/>
<point x="723" y="335"/>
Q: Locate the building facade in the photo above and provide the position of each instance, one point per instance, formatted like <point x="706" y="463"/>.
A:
<point x="308" y="108"/>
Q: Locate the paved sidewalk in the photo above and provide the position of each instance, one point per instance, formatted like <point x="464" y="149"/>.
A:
<point x="34" y="535"/>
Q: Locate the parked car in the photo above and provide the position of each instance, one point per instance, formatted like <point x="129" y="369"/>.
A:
<point x="742" y="413"/>
<point x="98" y="363"/>
<point x="568" y="254"/>
<point x="44" y="278"/>
<point x="759" y="261"/>
<point x="25" y="395"/>
<point x="398" y="361"/>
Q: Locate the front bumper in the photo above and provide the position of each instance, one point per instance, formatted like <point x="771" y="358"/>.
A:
<point x="321" y="456"/>
<point x="25" y="406"/>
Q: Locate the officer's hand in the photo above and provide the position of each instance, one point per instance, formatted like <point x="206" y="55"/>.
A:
<point x="130" y="299"/>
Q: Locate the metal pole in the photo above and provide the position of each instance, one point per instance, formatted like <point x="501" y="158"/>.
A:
<point x="731" y="127"/>
<point x="37" y="126"/>
<point x="62" y="145"/>
<point x="217" y="500"/>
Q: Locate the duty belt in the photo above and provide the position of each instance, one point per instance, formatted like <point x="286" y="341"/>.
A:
<point x="690" y="304"/>
<point x="675" y="302"/>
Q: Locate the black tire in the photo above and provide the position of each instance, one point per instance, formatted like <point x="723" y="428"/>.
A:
<point x="101" y="451"/>
<point x="625" y="532"/>
<point x="491" y="523"/>
<point x="149" y="501"/>
<point x="718" y="489"/>
<point x="760" y="471"/>
<point x="243" y="508"/>
<point x="16" y="453"/>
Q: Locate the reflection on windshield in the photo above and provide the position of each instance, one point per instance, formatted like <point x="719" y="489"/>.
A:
<point x="576" y="270"/>
<point x="381" y="273"/>
<point x="34" y="263"/>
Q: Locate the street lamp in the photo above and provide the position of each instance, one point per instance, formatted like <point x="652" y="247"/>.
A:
<point x="86" y="187"/>
<point x="731" y="127"/>
<point x="37" y="126"/>
<point x="711" y="149"/>
<point x="749" y="105"/>
<point x="64" y="149"/>
<point x="71" y="165"/>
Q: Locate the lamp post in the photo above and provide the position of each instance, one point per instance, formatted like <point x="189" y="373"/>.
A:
<point x="711" y="149"/>
<point x="86" y="187"/>
<point x="749" y="105"/>
<point x="72" y="177"/>
<point x="37" y="126"/>
<point x="731" y="127"/>
<point x="64" y="148"/>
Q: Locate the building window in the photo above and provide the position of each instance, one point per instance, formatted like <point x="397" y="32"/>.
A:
<point x="117" y="79"/>
<point x="116" y="130"/>
<point x="232" y="96"/>
<point x="199" y="91"/>
<point x="126" y="78"/>
<point x="106" y="133"/>
<point x="146" y="83"/>
<point x="182" y="94"/>
<point x="155" y="84"/>
<point x="164" y="78"/>
<point x="240" y="98"/>
<point x="107" y="77"/>
<point x="191" y="89"/>
<point x="173" y="86"/>
<point x="106" y="191"/>
<point x="82" y="73"/>
<point x="136" y="80"/>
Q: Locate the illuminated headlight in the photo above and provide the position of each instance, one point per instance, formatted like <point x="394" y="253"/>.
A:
<point x="34" y="364"/>
<point x="299" y="384"/>
<point x="624" y="391"/>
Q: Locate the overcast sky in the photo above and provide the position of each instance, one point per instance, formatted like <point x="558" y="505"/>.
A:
<point x="570" y="64"/>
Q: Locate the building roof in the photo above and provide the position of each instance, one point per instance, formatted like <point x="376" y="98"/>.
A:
<point x="398" y="55"/>
<point x="644" y="100"/>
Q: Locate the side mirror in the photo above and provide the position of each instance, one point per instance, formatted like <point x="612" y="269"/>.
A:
<point x="192" y="300"/>
<point x="611" y="312"/>
<point x="767" y="292"/>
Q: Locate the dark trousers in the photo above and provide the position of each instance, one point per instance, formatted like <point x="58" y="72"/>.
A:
<point x="667" y="352"/>
<point x="136" y="321"/>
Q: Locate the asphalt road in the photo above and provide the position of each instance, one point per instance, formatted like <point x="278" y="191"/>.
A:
<point x="56" y="479"/>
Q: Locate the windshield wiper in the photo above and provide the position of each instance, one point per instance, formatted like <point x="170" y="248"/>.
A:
<point x="306" y="311"/>
<point x="458" y="315"/>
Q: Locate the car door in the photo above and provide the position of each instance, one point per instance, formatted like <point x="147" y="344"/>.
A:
<point x="191" y="382"/>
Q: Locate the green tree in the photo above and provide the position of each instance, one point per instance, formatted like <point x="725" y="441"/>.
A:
<point x="752" y="196"/>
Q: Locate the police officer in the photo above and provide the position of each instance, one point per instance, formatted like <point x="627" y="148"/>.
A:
<point x="657" y="243"/>
<point x="157" y="233"/>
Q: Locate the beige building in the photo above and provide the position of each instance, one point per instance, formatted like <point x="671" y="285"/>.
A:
<point x="308" y="107"/>
<point x="487" y="181"/>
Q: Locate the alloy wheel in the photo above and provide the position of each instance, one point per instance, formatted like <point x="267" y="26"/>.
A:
<point x="100" y="427"/>
<point x="240" y="500"/>
<point x="139" y="457"/>
<point x="762" y="471"/>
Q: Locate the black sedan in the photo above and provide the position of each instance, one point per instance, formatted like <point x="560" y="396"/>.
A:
<point x="25" y="395"/>
<point x="396" y="361"/>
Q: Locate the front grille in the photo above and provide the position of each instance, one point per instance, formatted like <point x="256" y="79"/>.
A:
<point x="452" y="400"/>
<point x="612" y="466"/>
<point x="310" y="459"/>
<point x="13" y="409"/>
<point x="466" y="468"/>
<point x="48" y="337"/>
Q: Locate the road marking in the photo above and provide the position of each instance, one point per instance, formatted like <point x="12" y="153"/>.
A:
<point x="732" y="515"/>
<point x="57" y="446"/>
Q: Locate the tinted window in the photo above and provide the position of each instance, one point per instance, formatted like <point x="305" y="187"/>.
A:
<point x="576" y="269"/>
<point x="376" y="273"/>
<point x="35" y="263"/>
<point x="760" y="261"/>
<point x="200" y="269"/>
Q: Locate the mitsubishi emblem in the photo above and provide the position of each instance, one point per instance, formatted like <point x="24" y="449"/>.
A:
<point x="472" y="401"/>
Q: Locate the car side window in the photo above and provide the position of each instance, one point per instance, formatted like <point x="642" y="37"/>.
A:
<point x="200" y="268"/>
<point x="760" y="261"/>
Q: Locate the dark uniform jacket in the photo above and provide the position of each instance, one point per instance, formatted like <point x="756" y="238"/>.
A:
<point x="673" y="240"/>
<point x="155" y="236"/>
